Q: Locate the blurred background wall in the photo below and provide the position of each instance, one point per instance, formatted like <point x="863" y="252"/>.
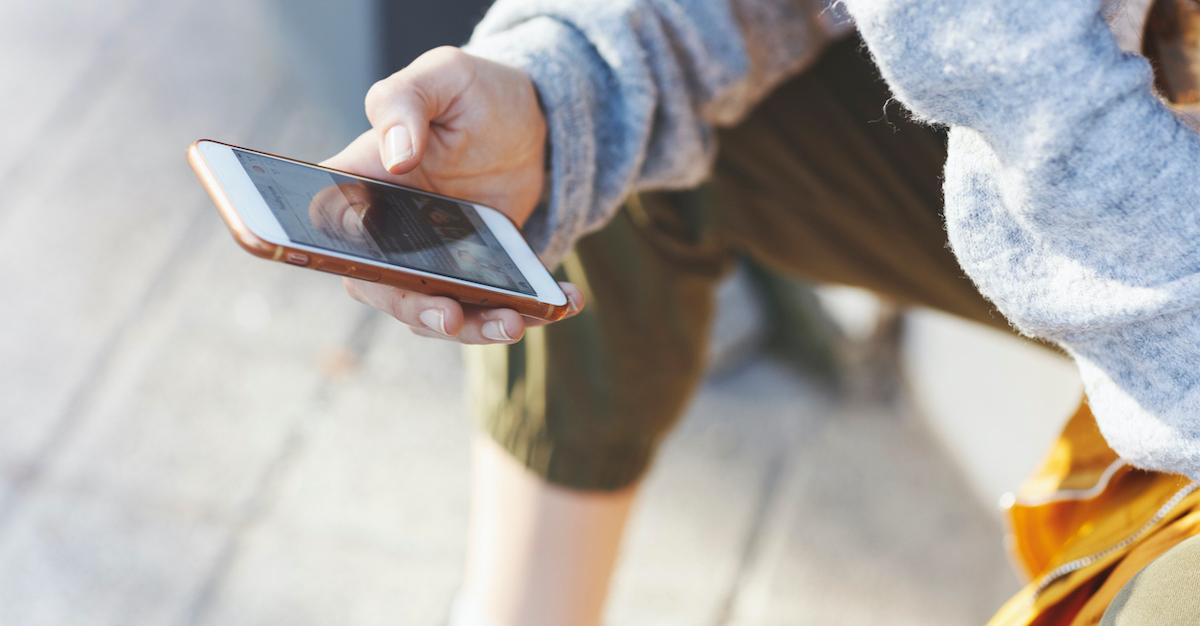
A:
<point x="406" y="29"/>
<point x="340" y="45"/>
<point x="345" y="46"/>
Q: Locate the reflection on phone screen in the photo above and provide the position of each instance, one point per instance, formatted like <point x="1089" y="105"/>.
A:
<point x="382" y="223"/>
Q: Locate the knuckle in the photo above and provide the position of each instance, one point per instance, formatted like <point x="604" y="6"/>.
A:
<point x="379" y="96"/>
<point x="454" y="63"/>
<point x="448" y="56"/>
<point x="409" y="87"/>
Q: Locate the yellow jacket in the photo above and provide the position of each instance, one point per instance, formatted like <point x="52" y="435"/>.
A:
<point x="1085" y="523"/>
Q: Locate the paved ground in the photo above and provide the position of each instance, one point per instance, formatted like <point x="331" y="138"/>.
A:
<point x="195" y="437"/>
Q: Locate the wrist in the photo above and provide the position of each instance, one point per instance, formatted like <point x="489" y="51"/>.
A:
<point x="559" y="64"/>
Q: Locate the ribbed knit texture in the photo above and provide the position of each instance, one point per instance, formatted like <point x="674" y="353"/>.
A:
<point x="632" y="89"/>
<point x="1072" y="191"/>
<point x="1072" y="197"/>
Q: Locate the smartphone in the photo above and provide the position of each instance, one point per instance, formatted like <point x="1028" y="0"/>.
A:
<point x="319" y="218"/>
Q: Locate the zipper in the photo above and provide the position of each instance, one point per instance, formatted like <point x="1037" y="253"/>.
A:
<point x="1059" y="572"/>
<point x="1064" y="495"/>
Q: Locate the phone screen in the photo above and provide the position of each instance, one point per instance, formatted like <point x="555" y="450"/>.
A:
<point x="382" y="223"/>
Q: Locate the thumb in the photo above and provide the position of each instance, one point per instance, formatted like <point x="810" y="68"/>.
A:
<point x="399" y="149"/>
<point x="401" y="119"/>
<point x="402" y="106"/>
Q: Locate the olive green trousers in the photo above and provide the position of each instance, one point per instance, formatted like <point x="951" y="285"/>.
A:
<point x="818" y="182"/>
<point x="1165" y="593"/>
<point x="823" y="181"/>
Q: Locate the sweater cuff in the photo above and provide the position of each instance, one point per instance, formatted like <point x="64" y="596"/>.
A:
<point x="561" y="64"/>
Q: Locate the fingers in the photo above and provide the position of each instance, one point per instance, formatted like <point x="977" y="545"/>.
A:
<point x="575" y="300"/>
<point x="574" y="297"/>
<point x="439" y="317"/>
<point x="443" y="318"/>
<point x="360" y="157"/>
<point x="438" y="314"/>
<point x="402" y="106"/>
<point x="484" y="326"/>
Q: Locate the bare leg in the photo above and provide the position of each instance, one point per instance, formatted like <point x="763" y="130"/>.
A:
<point x="537" y="554"/>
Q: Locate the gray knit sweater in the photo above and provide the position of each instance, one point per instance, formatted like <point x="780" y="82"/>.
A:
<point x="1071" y="195"/>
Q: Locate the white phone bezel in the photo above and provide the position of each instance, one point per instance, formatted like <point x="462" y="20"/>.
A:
<point x="244" y="197"/>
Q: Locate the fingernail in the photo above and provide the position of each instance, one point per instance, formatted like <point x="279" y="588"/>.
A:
<point x="434" y="319"/>
<point x="398" y="145"/>
<point x="573" y="303"/>
<point x="495" y="331"/>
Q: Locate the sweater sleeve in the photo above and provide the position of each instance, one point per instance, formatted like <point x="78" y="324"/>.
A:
<point x="632" y="89"/>
<point x="1072" y="197"/>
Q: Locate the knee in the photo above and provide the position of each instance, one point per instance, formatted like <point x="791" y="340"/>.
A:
<point x="1165" y="593"/>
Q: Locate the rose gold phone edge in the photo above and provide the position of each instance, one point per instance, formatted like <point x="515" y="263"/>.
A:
<point x="394" y="276"/>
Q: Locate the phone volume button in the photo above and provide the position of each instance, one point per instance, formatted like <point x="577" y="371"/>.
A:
<point x="333" y="267"/>
<point x="296" y="258"/>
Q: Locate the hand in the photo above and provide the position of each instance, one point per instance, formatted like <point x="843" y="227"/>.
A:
<point x="461" y="126"/>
